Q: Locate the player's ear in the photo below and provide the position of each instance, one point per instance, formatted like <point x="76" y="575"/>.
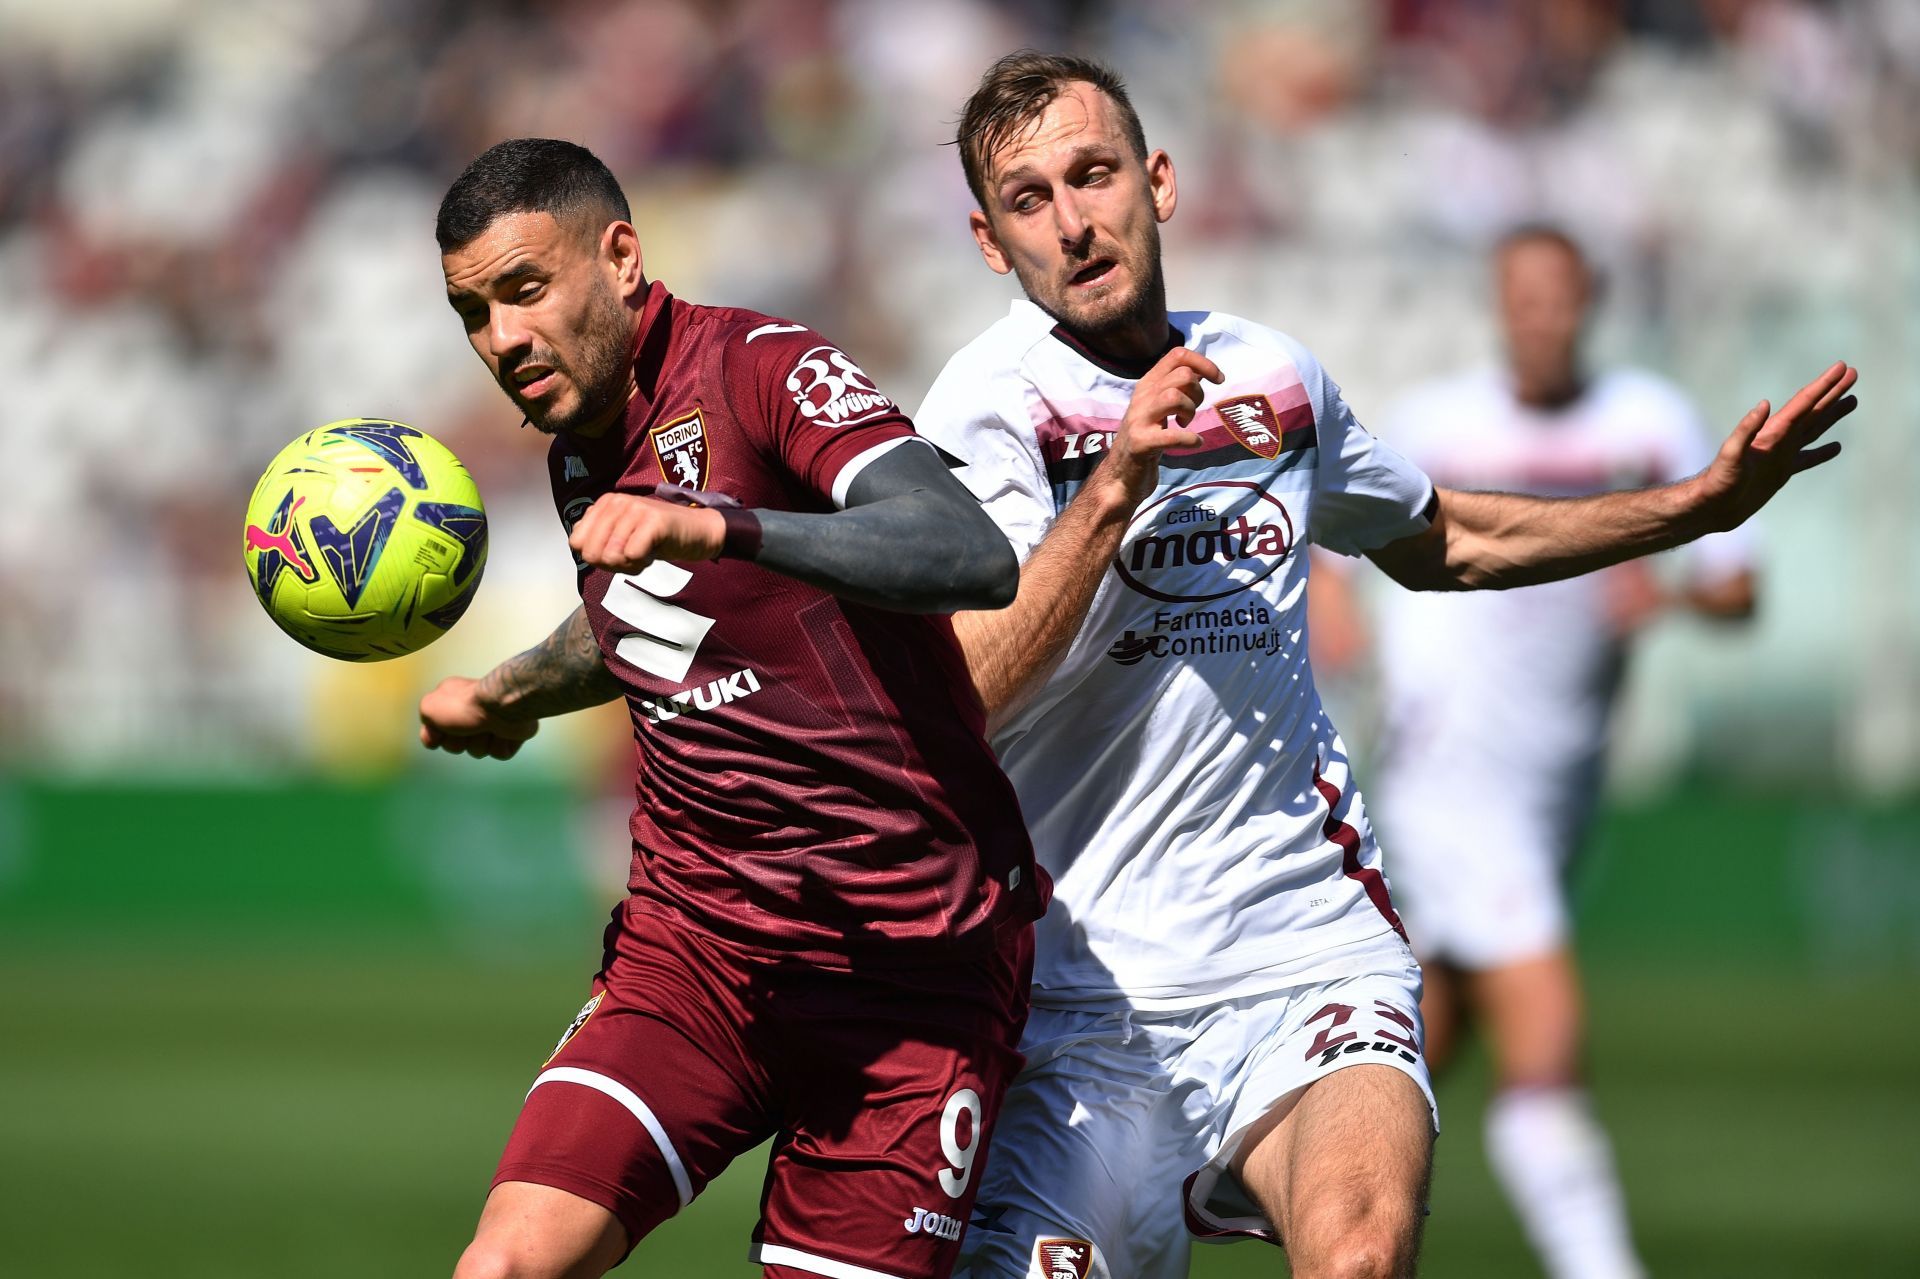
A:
<point x="620" y="253"/>
<point x="989" y="242"/>
<point x="1593" y="288"/>
<point x="1161" y="185"/>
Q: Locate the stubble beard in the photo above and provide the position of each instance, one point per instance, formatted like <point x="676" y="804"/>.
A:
<point x="599" y="374"/>
<point x="1106" y="318"/>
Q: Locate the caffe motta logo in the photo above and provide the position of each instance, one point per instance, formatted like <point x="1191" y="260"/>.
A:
<point x="1205" y="541"/>
<point x="681" y="447"/>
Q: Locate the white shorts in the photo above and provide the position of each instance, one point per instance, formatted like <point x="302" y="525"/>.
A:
<point x="1112" y="1147"/>
<point x="1481" y="884"/>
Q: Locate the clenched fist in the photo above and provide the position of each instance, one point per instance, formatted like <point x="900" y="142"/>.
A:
<point x="454" y="718"/>
<point x="623" y="533"/>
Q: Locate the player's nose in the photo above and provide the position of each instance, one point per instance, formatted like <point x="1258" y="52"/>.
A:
<point x="506" y="333"/>
<point x="1070" y="221"/>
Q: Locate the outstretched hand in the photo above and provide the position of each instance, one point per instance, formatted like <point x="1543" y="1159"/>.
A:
<point x="1767" y="449"/>
<point x="1163" y="403"/>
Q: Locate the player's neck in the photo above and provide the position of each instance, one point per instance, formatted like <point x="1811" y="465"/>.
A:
<point x="639" y="316"/>
<point x="1550" y="392"/>
<point x="1139" y="340"/>
<point x="1136" y="337"/>
<point x="596" y="428"/>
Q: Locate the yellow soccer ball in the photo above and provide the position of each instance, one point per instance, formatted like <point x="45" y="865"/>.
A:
<point x="365" y="539"/>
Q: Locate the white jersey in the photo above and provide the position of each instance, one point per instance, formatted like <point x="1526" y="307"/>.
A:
<point x="1180" y="778"/>
<point x="1505" y="694"/>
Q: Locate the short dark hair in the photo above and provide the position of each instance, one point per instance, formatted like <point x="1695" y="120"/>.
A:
<point x="1012" y="95"/>
<point x="1541" y="232"/>
<point x="529" y="175"/>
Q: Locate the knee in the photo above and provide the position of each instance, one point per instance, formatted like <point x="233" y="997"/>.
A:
<point x="1352" y="1260"/>
<point x="1545" y="1064"/>
<point x="1374" y="1250"/>
<point x="501" y="1259"/>
<point x="1358" y="1260"/>
<point x="485" y="1260"/>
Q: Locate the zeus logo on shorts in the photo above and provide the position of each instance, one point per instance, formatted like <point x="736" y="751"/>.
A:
<point x="1401" y="1039"/>
<point x="936" y="1224"/>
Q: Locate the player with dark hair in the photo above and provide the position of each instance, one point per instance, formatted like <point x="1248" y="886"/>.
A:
<point x="828" y="934"/>
<point x="1225" y="1033"/>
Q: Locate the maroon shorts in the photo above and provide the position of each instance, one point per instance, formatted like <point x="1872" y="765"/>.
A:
<point x="878" y="1087"/>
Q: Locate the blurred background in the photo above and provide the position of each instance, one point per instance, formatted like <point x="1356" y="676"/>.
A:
<point x="272" y="979"/>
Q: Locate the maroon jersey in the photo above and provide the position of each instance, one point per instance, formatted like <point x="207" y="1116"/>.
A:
<point x="811" y="774"/>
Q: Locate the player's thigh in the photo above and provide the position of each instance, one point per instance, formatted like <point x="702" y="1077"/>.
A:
<point x="650" y="1093"/>
<point x="528" y="1231"/>
<point x="1533" y="1014"/>
<point x="1076" y="1153"/>
<point x="1343" y="1172"/>
<point x="1334" y="1095"/>
<point x="1443" y="1011"/>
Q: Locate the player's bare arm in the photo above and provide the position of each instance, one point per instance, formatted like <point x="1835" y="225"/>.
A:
<point x="1493" y="541"/>
<point x="491" y="716"/>
<point x="911" y="539"/>
<point x="1012" y="652"/>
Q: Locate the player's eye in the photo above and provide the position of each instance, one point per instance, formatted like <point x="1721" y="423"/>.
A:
<point x="1026" y="202"/>
<point x="529" y="291"/>
<point x="1095" y="175"/>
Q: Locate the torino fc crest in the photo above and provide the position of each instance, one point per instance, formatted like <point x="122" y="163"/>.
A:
<point x="1253" y="422"/>
<point x="681" y="446"/>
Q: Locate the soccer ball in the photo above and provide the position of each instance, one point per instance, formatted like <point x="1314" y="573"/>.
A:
<point x="365" y="539"/>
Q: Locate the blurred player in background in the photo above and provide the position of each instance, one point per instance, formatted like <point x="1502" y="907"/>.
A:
<point x="1226" y="1026"/>
<point x="1496" y="710"/>
<point x="828" y="936"/>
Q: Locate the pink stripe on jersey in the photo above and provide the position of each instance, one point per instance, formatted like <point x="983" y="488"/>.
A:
<point x="1288" y="410"/>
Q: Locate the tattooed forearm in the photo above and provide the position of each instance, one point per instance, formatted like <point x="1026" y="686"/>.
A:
<point x="561" y="673"/>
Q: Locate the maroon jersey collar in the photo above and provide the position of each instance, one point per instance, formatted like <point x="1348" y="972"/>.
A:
<point x="650" y="342"/>
<point x="651" y="338"/>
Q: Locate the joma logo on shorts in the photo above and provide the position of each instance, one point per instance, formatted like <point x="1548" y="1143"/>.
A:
<point x="932" y="1223"/>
